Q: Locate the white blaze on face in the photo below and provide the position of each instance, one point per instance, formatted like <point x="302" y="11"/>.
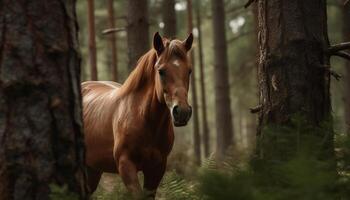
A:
<point x="176" y="63"/>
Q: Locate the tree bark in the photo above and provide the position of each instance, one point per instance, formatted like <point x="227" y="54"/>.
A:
<point x="196" y="135"/>
<point x="223" y="115"/>
<point x="293" y="65"/>
<point x="346" y="37"/>
<point x="137" y="30"/>
<point x="41" y="140"/>
<point x="205" y="128"/>
<point x="92" y="40"/>
<point x="169" y="18"/>
<point x="112" y="42"/>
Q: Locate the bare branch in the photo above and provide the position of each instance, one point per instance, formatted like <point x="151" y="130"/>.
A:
<point x="256" y="109"/>
<point x="339" y="47"/>
<point x="335" y="74"/>
<point x="342" y="54"/>
<point x="248" y="3"/>
<point x="112" y="30"/>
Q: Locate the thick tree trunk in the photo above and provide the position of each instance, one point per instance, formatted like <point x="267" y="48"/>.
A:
<point x="137" y="30"/>
<point x="112" y="42"/>
<point x="205" y="128"/>
<point x="92" y="40"/>
<point x="346" y="37"/>
<point x="169" y="18"/>
<point x="293" y="66"/>
<point x="41" y="140"/>
<point x="196" y="135"/>
<point x="223" y="115"/>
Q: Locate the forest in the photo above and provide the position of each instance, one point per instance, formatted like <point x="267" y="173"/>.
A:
<point x="175" y="99"/>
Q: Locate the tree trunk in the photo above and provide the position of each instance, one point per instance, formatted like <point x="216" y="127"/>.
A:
<point x="92" y="40"/>
<point x="41" y="140"/>
<point x="293" y="68"/>
<point x="169" y="18"/>
<point x="346" y="37"/>
<point x="112" y="42"/>
<point x="223" y="115"/>
<point x="196" y="135"/>
<point x="137" y="30"/>
<point x="205" y="128"/>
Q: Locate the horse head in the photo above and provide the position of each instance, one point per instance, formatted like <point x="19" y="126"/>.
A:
<point x="173" y="76"/>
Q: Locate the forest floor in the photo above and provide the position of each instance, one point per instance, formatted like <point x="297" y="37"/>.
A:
<point x="108" y="181"/>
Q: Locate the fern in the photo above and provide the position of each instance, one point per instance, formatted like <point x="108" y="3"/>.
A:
<point x="174" y="187"/>
<point x="210" y="163"/>
<point x="61" y="193"/>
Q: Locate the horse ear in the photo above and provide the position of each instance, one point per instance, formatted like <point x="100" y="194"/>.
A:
<point x="188" y="42"/>
<point x="158" y="43"/>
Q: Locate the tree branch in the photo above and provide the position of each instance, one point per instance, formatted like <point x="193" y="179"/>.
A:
<point x="256" y="109"/>
<point x="339" y="47"/>
<point x="112" y="30"/>
<point x="248" y="3"/>
<point x="333" y="73"/>
<point x="342" y="54"/>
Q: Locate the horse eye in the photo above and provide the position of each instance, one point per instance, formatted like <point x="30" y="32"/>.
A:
<point x="161" y="72"/>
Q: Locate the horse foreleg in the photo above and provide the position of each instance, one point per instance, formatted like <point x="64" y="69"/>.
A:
<point x="93" y="179"/>
<point x="152" y="177"/>
<point x="128" y="173"/>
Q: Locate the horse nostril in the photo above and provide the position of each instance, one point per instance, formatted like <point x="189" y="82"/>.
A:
<point x="176" y="111"/>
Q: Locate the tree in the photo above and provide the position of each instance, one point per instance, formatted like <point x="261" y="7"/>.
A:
<point x="92" y="40"/>
<point x="196" y="135"/>
<point x="205" y="128"/>
<point x="169" y="18"/>
<point x="137" y="30"/>
<point x="112" y="42"/>
<point x="346" y="37"/>
<point x="223" y="115"/>
<point x="41" y="140"/>
<point x="294" y="69"/>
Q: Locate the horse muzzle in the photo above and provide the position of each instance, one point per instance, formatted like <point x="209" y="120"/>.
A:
<point x="181" y="115"/>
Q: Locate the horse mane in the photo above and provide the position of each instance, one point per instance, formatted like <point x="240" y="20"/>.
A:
<point x="142" y="73"/>
<point x="144" y="70"/>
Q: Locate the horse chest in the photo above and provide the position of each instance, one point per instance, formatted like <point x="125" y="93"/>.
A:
<point x="151" y="153"/>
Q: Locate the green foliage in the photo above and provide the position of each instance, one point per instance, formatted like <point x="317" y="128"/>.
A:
<point x="342" y="151"/>
<point x="300" y="178"/>
<point x="300" y="168"/>
<point x="118" y="192"/>
<point x="295" y="162"/>
<point x="174" y="187"/>
<point x="61" y="193"/>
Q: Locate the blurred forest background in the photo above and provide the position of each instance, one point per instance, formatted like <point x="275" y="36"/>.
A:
<point x="270" y="92"/>
<point x="241" y="34"/>
<point x="195" y="143"/>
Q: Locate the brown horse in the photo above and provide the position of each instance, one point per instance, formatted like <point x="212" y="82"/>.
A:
<point x="129" y="127"/>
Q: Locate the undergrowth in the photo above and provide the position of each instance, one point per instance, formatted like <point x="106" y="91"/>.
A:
<point x="294" y="164"/>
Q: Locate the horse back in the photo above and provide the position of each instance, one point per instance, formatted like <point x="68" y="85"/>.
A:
<point x="98" y="101"/>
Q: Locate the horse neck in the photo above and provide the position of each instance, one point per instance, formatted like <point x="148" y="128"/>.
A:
<point x="142" y="87"/>
<point x="155" y="111"/>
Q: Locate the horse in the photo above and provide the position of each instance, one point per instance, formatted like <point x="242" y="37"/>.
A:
<point x="129" y="128"/>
